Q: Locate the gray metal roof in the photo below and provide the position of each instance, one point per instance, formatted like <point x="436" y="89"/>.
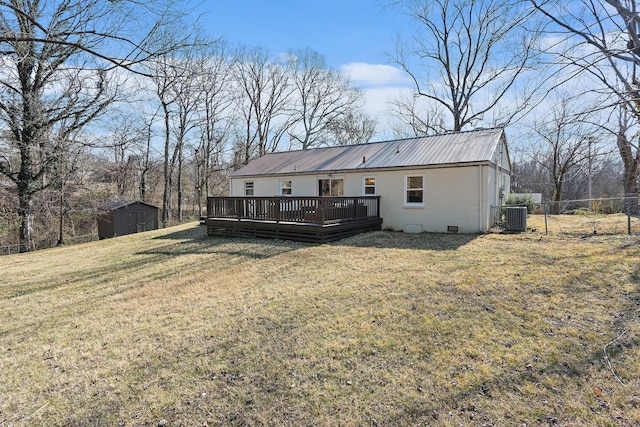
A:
<point x="438" y="150"/>
<point x="121" y="204"/>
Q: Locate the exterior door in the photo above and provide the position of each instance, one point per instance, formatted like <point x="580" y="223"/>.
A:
<point x="331" y="187"/>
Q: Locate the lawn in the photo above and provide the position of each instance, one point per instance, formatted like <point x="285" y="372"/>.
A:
<point x="174" y="328"/>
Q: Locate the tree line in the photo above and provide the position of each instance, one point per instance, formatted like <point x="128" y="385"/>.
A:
<point x="127" y="99"/>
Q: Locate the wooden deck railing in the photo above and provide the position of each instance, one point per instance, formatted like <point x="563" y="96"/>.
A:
<point x="310" y="210"/>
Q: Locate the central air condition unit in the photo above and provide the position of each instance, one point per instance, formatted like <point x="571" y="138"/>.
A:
<point x="516" y="218"/>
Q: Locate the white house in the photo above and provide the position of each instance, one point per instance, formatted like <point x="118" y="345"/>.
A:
<point x="450" y="182"/>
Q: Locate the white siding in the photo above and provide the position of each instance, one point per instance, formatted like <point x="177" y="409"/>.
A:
<point x="455" y="196"/>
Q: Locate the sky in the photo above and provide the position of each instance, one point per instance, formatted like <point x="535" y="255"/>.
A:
<point x="353" y="35"/>
<point x="344" y="31"/>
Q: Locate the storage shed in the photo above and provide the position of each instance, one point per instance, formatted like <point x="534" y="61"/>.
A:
<point x="126" y="217"/>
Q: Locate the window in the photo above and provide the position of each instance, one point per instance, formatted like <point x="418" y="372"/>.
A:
<point x="330" y="187"/>
<point x="369" y="186"/>
<point x="248" y="188"/>
<point x="414" y="190"/>
<point x="285" y="188"/>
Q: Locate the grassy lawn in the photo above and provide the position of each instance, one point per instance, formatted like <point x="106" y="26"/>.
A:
<point x="174" y="328"/>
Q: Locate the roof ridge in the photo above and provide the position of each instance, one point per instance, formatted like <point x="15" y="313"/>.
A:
<point x="452" y="132"/>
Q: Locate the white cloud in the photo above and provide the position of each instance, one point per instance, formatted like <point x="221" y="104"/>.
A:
<point x="376" y="105"/>
<point x="374" y="74"/>
<point x="376" y="100"/>
<point x="380" y="84"/>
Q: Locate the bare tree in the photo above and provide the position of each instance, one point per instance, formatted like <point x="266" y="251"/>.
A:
<point x="563" y="150"/>
<point x="55" y="78"/>
<point x="175" y="79"/>
<point x="264" y="102"/>
<point x="144" y="158"/>
<point x="623" y="128"/>
<point x="216" y="119"/>
<point x="466" y="58"/>
<point x="164" y="73"/>
<point x="599" y="39"/>
<point x="127" y="132"/>
<point x="322" y="97"/>
<point x="188" y="99"/>
<point x="410" y="118"/>
<point x="351" y="128"/>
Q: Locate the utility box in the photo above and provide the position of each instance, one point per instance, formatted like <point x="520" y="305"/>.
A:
<point x="516" y="218"/>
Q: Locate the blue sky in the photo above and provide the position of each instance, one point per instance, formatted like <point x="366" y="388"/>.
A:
<point x="344" y="31"/>
<point x="353" y="35"/>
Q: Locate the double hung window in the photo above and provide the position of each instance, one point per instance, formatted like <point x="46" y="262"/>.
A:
<point x="285" y="188"/>
<point x="414" y="190"/>
<point x="248" y="188"/>
<point x="369" y="186"/>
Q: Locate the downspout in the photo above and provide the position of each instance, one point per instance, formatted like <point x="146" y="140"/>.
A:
<point x="480" y="196"/>
<point x="497" y="196"/>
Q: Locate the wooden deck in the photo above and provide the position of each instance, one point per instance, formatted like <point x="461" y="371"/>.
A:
<point x="307" y="219"/>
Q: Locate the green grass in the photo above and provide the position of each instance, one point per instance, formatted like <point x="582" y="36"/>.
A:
<point x="173" y="327"/>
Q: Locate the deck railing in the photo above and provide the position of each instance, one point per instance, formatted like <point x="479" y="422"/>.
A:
<point x="310" y="210"/>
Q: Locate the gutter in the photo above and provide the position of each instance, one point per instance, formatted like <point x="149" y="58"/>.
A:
<point x="373" y="169"/>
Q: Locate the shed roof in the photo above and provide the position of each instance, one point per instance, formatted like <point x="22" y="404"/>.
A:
<point x="437" y="150"/>
<point x="122" y="203"/>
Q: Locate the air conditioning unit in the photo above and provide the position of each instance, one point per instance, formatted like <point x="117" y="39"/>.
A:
<point x="516" y="218"/>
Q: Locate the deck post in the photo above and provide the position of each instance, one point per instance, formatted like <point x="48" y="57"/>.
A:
<point x="322" y="209"/>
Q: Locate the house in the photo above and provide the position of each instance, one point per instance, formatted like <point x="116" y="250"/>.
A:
<point x="126" y="217"/>
<point x="454" y="182"/>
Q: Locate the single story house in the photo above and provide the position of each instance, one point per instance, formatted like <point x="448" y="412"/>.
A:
<point x="126" y="217"/>
<point x="454" y="182"/>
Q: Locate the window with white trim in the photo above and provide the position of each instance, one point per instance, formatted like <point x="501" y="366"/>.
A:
<point x="369" y="186"/>
<point x="248" y="188"/>
<point x="414" y="190"/>
<point x="285" y="187"/>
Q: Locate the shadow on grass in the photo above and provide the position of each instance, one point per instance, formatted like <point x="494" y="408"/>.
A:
<point x="374" y="239"/>
<point x="400" y="240"/>
<point x="196" y="241"/>
<point x="196" y="232"/>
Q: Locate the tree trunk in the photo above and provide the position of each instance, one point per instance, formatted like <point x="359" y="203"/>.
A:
<point x="179" y="183"/>
<point x="631" y="173"/>
<point x="167" y="174"/>
<point x="61" y="218"/>
<point x="25" y="213"/>
<point x="631" y="188"/>
<point x="557" y="196"/>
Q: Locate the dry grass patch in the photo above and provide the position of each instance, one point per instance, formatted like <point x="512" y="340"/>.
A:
<point x="379" y="329"/>
<point x="585" y="223"/>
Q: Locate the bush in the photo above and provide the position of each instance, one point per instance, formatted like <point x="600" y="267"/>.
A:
<point x="520" y="200"/>
<point x="580" y="211"/>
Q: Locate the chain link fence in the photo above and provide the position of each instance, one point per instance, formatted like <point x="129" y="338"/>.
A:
<point x="608" y="216"/>
<point x="50" y="243"/>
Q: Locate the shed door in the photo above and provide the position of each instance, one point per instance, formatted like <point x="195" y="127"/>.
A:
<point x="136" y="222"/>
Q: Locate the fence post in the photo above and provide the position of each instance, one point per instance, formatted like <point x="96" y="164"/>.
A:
<point x="546" y="228"/>
<point x="628" y="209"/>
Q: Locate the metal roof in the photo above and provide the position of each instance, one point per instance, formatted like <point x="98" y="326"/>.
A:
<point x="121" y="204"/>
<point x="437" y="150"/>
